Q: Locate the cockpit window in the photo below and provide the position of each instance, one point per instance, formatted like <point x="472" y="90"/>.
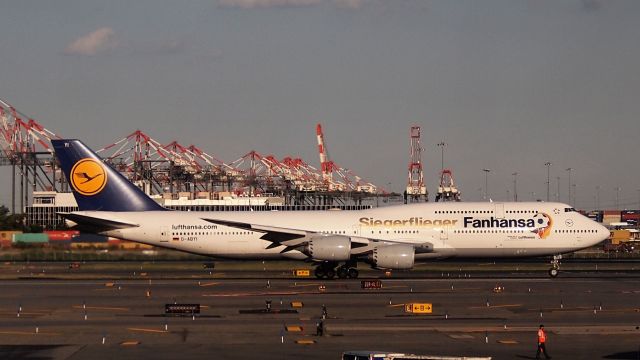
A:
<point x="569" y="210"/>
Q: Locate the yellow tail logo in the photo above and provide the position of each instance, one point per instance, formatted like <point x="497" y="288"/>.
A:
<point x="88" y="177"/>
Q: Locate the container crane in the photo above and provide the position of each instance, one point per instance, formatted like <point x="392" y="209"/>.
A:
<point x="416" y="189"/>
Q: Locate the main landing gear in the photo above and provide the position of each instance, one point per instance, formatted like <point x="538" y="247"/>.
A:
<point x="555" y="266"/>
<point x="328" y="270"/>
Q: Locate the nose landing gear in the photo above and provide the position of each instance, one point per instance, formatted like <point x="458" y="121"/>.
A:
<point x="555" y="266"/>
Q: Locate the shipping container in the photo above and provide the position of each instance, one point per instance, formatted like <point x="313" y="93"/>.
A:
<point x="61" y="235"/>
<point x="130" y="245"/>
<point x="595" y="216"/>
<point x="5" y="243"/>
<point x="185" y="194"/>
<point x="8" y="234"/>
<point x="620" y="235"/>
<point x="636" y="212"/>
<point x="167" y="196"/>
<point x="30" y="238"/>
<point x="609" y="221"/>
<point x="89" y="238"/>
<point x="85" y="245"/>
<point x="203" y="195"/>
<point x="611" y="212"/>
<point x="60" y="243"/>
<point x="630" y="216"/>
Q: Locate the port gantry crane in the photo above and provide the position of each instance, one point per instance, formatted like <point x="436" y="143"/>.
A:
<point x="416" y="188"/>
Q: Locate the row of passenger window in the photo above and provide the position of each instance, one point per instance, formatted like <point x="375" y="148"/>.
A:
<point x="485" y="212"/>
<point x="490" y="231"/>
<point x="212" y="233"/>
<point x="465" y="212"/>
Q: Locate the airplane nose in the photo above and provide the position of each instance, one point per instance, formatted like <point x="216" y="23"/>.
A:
<point x="603" y="232"/>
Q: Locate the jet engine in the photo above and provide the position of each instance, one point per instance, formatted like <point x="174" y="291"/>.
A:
<point x="397" y="256"/>
<point x="329" y="248"/>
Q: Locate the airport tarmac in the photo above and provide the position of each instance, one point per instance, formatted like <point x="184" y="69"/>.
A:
<point x="590" y="316"/>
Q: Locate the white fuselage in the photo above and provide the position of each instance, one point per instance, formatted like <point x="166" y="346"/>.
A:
<point x="450" y="229"/>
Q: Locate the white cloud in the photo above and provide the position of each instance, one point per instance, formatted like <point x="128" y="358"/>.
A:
<point x="93" y="43"/>
<point x="252" y="4"/>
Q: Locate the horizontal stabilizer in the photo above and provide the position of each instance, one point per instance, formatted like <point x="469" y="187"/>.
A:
<point x="96" y="223"/>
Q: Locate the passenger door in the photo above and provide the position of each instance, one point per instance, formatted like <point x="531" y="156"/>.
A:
<point x="444" y="234"/>
<point x="165" y="235"/>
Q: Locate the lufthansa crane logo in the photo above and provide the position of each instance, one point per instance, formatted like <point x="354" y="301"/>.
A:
<point x="88" y="177"/>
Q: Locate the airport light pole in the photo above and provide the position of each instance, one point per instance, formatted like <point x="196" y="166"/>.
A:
<point x="617" y="189"/>
<point x="515" y="186"/>
<point x="548" y="165"/>
<point x="441" y="145"/>
<point x="574" y="195"/>
<point x="569" y="169"/>
<point x="486" y="183"/>
<point x="558" y="192"/>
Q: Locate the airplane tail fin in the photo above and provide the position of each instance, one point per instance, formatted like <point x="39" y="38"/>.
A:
<point x="96" y="185"/>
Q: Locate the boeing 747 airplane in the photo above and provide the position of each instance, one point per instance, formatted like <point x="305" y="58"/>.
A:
<point x="392" y="237"/>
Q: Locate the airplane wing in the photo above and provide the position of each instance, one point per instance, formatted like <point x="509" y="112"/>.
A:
<point x="296" y="237"/>
<point x="284" y="236"/>
<point x="96" y="223"/>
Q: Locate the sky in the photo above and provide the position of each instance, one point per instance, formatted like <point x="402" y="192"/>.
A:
<point x="508" y="85"/>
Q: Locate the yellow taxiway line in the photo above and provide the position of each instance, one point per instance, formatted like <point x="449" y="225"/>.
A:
<point x="495" y="306"/>
<point x="27" y="333"/>
<point x="396" y="305"/>
<point x="100" y="308"/>
<point x="303" y="285"/>
<point x="148" y="330"/>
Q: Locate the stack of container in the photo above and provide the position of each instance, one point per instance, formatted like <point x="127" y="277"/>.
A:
<point x="89" y="240"/>
<point x="113" y="242"/>
<point x="631" y="217"/>
<point x="611" y="216"/>
<point x="6" y="238"/>
<point x="30" y="239"/>
<point x="130" y="245"/>
<point x="61" y="237"/>
<point x="595" y="215"/>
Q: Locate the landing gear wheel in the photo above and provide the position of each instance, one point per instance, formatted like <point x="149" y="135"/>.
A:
<point x="330" y="274"/>
<point x="353" y="273"/>
<point x="343" y="272"/>
<point x="320" y="272"/>
<point x="555" y="266"/>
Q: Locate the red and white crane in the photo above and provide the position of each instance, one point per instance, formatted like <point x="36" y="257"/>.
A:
<point x="447" y="190"/>
<point x="416" y="189"/>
